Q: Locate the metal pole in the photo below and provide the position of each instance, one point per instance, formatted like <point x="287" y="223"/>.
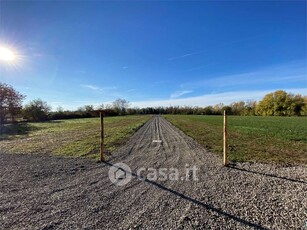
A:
<point x="225" y="139"/>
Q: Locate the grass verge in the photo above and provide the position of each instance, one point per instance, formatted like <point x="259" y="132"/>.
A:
<point x="77" y="137"/>
<point x="280" y="140"/>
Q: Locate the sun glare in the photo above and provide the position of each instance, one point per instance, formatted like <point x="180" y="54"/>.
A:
<point x="6" y="54"/>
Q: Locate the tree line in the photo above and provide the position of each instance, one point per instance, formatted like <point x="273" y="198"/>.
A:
<point x="278" y="103"/>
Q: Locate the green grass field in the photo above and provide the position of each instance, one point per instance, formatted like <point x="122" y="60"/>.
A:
<point x="262" y="139"/>
<point x="77" y="137"/>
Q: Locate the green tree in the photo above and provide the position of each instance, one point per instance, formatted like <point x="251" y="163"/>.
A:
<point x="238" y="108"/>
<point x="304" y="107"/>
<point x="280" y="103"/>
<point x="250" y="107"/>
<point x="36" y="110"/>
<point x="218" y="109"/>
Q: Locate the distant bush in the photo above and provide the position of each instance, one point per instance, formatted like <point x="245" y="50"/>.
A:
<point x="36" y="110"/>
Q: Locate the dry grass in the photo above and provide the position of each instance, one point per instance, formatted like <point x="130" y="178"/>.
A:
<point x="77" y="137"/>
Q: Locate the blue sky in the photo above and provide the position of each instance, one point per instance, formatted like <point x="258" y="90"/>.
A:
<point x="72" y="53"/>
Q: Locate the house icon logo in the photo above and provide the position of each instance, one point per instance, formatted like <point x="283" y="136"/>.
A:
<point x="120" y="174"/>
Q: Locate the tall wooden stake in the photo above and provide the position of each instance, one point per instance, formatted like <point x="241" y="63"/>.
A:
<point x="101" y="137"/>
<point x="225" y="139"/>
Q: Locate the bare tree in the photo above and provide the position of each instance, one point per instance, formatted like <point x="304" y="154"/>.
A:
<point x="120" y="106"/>
<point x="10" y="103"/>
<point x="101" y="107"/>
<point x="60" y="109"/>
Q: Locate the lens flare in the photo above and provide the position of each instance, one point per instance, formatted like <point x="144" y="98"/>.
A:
<point x="6" y="54"/>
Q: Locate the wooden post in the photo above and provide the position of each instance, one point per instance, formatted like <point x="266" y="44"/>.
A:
<point x="101" y="137"/>
<point x="225" y="139"/>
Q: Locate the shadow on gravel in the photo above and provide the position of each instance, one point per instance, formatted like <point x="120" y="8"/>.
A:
<point x="192" y="200"/>
<point x="267" y="174"/>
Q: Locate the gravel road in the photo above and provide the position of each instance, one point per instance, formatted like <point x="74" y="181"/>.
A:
<point x="47" y="192"/>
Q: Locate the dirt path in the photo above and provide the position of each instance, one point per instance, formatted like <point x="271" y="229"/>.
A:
<point x="45" y="192"/>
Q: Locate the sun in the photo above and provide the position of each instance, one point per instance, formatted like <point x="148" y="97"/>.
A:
<point x="7" y="54"/>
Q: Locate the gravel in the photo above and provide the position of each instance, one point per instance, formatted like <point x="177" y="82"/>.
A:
<point x="47" y="192"/>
